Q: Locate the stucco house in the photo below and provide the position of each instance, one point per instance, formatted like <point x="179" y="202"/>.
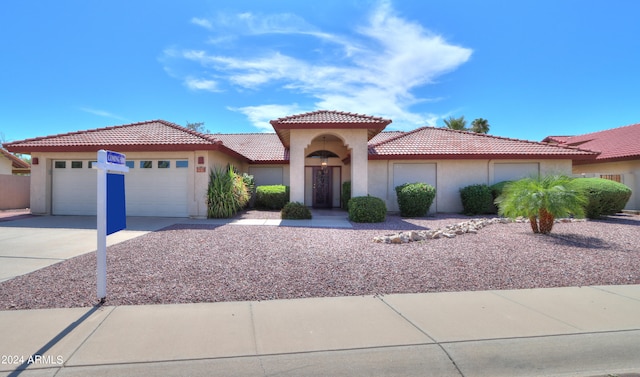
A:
<point x="618" y="157"/>
<point x="10" y="164"/>
<point x="313" y="153"/>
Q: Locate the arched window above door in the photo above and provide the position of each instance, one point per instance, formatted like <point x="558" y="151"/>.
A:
<point x="322" y="153"/>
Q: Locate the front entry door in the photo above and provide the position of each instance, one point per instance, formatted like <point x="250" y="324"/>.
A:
<point x="322" y="187"/>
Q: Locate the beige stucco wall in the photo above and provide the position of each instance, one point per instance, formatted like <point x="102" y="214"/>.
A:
<point x="6" y="165"/>
<point x="629" y="171"/>
<point x="451" y="176"/>
<point x="14" y="191"/>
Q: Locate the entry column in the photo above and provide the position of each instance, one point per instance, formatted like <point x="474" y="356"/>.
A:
<point x="298" y="144"/>
<point x="359" y="164"/>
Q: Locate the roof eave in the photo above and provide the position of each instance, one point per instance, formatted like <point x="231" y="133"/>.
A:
<point x="119" y="148"/>
<point x="461" y="156"/>
<point x="605" y="160"/>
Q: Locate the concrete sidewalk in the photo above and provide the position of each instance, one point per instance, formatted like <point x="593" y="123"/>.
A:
<point x="587" y="331"/>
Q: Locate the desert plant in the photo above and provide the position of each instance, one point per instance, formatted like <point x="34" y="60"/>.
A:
<point x="346" y="194"/>
<point x="541" y="200"/>
<point x="367" y="209"/>
<point x="272" y="196"/>
<point x="295" y="211"/>
<point x="606" y="197"/>
<point x="476" y="199"/>
<point x="414" y="199"/>
<point x="226" y="193"/>
<point x="250" y="184"/>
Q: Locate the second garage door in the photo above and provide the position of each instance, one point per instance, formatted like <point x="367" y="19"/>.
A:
<point x="153" y="188"/>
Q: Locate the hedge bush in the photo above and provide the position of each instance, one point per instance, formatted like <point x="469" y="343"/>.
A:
<point x="497" y="188"/>
<point x="295" y="211"/>
<point x="272" y="196"/>
<point x="367" y="209"/>
<point x="346" y="194"/>
<point x="476" y="199"/>
<point x="414" y="199"/>
<point x="606" y="197"/>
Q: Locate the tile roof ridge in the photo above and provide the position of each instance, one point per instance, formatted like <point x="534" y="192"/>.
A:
<point x="515" y="139"/>
<point x="607" y="130"/>
<point x="403" y="134"/>
<point x="91" y="130"/>
<point x="208" y="137"/>
<point x="243" y="133"/>
<point x="321" y="111"/>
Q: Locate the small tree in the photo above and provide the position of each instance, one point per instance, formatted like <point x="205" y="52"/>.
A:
<point x="541" y="200"/>
<point x="459" y="124"/>
<point x="198" y="127"/>
<point x="480" y="126"/>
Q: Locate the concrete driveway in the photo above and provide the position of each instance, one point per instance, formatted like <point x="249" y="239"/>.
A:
<point x="29" y="244"/>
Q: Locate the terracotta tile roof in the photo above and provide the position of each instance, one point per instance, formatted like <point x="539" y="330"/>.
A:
<point x="330" y="117"/>
<point x="555" y="139"/>
<point x="384" y="136"/>
<point x="257" y="147"/>
<point x="430" y="142"/>
<point x="150" y="135"/>
<point x="16" y="163"/>
<point x="327" y="119"/>
<point x="622" y="143"/>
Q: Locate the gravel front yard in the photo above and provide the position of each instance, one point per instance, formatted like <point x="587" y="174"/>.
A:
<point x="208" y="263"/>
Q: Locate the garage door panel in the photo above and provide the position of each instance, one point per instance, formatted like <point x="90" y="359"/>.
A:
<point x="74" y="190"/>
<point x="148" y="192"/>
<point x="514" y="171"/>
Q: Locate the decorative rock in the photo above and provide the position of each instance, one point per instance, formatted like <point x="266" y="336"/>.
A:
<point x="472" y="226"/>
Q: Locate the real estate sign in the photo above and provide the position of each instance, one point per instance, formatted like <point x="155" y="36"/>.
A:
<point x="111" y="211"/>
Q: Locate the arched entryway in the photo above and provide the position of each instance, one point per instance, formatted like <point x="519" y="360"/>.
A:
<point x="298" y="132"/>
<point x="324" y="168"/>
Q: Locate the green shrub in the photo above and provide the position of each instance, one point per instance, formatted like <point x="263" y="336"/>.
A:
<point x="272" y="197"/>
<point x="497" y="188"/>
<point x="414" y="199"/>
<point x="295" y="211"/>
<point x="606" y="197"/>
<point x="476" y="199"/>
<point x="367" y="209"/>
<point x="346" y="194"/>
<point x="226" y="193"/>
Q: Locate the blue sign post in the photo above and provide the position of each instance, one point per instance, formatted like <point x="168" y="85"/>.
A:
<point x="111" y="209"/>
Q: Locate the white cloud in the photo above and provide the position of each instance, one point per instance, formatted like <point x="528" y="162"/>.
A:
<point x="375" y="71"/>
<point x="202" y="22"/>
<point x="201" y="84"/>
<point x="103" y="113"/>
<point x="262" y="114"/>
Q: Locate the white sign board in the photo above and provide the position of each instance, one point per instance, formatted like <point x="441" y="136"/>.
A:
<point x="107" y="161"/>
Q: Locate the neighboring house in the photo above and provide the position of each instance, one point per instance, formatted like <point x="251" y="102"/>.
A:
<point x="313" y="153"/>
<point x="618" y="158"/>
<point x="10" y="164"/>
<point x="14" y="182"/>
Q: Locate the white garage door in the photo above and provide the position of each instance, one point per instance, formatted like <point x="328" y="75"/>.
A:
<point x="153" y="188"/>
<point x="411" y="173"/>
<point x="514" y="171"/>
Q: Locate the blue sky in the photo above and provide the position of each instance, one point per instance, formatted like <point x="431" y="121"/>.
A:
<point x="533" y="68"/>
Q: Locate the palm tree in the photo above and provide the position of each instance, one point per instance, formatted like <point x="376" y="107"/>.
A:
<point x="459" y="124"/>
<point x="480" y="126"/>
<point x="541" y="200"/>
